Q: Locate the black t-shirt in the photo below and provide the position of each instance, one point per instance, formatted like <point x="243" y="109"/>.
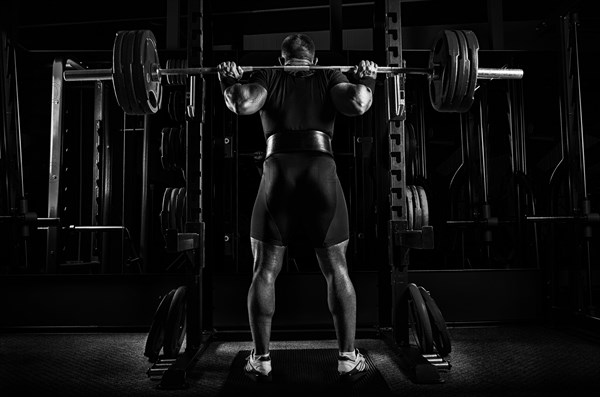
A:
<point x="298" y="101"/>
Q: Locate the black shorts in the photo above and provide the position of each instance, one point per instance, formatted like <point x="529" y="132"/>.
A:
<point x="300" y="193"/>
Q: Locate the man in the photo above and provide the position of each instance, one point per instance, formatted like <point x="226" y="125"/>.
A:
<point x="300" y="188"/>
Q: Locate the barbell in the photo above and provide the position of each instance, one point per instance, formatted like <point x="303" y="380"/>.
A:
<point x="136" y="73"/>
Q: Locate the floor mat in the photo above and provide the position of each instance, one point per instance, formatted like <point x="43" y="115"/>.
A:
<point x="307" y="372"/>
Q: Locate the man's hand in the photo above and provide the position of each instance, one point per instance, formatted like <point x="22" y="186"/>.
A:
<point x="229" y="71"/>
<point x="365" y="69"/>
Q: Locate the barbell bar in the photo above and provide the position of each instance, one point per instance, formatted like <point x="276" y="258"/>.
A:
<point x="136" y="73"/>
<point x="157" y="73"/>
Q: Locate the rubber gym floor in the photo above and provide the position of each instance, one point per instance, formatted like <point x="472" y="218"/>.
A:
<point x="499" y="360"/>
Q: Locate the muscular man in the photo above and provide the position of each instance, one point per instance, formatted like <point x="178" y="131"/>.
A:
<point x="300" y="189"/>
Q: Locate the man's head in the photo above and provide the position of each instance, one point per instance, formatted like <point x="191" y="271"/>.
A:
<point x="298" y="46"/>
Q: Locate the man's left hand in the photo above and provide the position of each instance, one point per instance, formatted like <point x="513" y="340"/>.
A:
<point x="365" y="69"/>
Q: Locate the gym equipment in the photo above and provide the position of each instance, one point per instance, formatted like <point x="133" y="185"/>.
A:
<point x="419" y="319"/>
<point x="439" y="331"/>
<point x="175" y="323"/>
<point x="136" y="73"/>
<point x="156" y="335"/>
<point x="417" y="207"/>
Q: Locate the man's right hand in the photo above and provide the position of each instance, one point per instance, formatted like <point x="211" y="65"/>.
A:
<point x="229" y="71"/>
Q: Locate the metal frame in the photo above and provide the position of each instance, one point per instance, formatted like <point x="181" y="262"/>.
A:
<point x="400" y="239"/>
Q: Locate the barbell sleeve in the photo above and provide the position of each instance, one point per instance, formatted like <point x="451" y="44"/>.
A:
<point x="87" y="74"/>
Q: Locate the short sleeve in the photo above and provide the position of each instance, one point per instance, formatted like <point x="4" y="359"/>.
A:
<point x="336" y="77"/>
<point x="260" y="77"/>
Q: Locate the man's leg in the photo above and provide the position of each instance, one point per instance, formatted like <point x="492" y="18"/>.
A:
<point x="268" y="260"/>
<point x="341" y="297"/>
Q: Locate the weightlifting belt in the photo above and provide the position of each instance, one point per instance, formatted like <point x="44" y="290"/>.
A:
<point x="298" y="141"/>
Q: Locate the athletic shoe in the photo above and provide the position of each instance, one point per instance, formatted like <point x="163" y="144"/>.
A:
<point x="347" y="367"/>
<point x="258" y="366"/>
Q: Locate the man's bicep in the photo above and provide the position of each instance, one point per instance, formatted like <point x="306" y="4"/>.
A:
<point x="254" y="97"/>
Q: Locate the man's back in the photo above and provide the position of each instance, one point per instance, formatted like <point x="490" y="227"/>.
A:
<point x="298" y="101"/>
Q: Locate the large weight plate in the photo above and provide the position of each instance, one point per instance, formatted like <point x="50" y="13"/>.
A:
<point x="424" y="205"/>
<point x="463" y="72"/>
<point x="145" y="55"/>
<point x="439" y="330"/>
<point x="117" y="73"/>
<point x="418" y="214"/>
<point x="410" y="208"/>
<point x="156" y="335"/>
<point x="127" y="56"/>
<point x="176" y="324"/>
<point x="419" y="318"/>
<point x="473" y="48"/>
<point x="443" y="60"/>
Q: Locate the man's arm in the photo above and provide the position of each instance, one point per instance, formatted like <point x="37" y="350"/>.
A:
<point x="351" y="99"/>
<point x="355" y="99"/>
<point x="244" y="99"/>
<point x="241" y="99"/>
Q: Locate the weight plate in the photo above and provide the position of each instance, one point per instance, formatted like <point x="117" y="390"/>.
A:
<point x="424" y="205"/>
<point x="173" y="147"/>
<point x="117" y="73"/>
<point x="168" y="66"/>
<point x="180" y="210"/>
<point x="178" y="66"/>
<point x="173" y="209"/>
<point x="176" y="324"/>
<point x="419" y="319"/>
<point x="170" y="105"/>
<point x="439" y="330"/>
<point x="184" y="212"/>
<point x="411" y="150"/>
<point x="156" y="335"/>
<point x="149" y="57"/>
<point x="443" y="59"/>
<point x="164" y="212"/>
<point x="127" y="56"/>
<point x="410" y="208"/>
<point x="184" y="77"/>
<point x="473" y="48"/>
<point x="164" y="143"/>
<point x="464" y="70"/>
<point x="175" y="106"/>
<point x="138" y="81"/>
<point x="418" y="214"/>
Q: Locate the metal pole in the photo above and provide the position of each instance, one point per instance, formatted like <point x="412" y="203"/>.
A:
<point x="55" y="161"/>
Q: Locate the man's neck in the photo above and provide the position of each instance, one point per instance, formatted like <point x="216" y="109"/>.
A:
<point x="298" y="61"/>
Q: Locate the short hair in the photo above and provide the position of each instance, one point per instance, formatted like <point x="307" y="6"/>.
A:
<point x="298" y="45"/>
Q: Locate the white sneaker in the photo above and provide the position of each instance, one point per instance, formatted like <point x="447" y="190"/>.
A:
<point x="259" y="366"/>
<point x="348" y="367"/>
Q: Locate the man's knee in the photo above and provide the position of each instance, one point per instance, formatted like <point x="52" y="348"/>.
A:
<point x="332" y="260"/>
<point x="268" y="259"/>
